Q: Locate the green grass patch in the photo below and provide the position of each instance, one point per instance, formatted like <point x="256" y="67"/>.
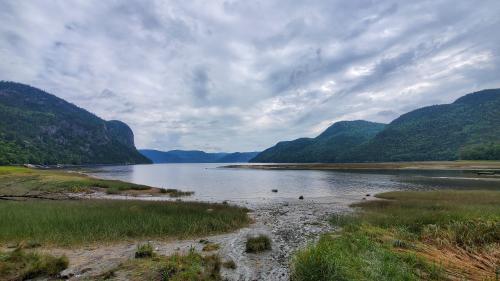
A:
<point x="211" y="247"/>
<point x="409" y="236"/>
<point x="86" y="221"/>
<point x="144" y="251"/>
<point x="191" y="266"/>
<point x="21" y="181"/>
<point x="258" y="244"/>
<point x="21" y="265"/>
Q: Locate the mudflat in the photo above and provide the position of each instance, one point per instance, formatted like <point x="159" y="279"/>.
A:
<point x="427" y="165"/>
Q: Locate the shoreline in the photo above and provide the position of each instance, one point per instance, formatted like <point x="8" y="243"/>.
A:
<point x="472" y="166"/>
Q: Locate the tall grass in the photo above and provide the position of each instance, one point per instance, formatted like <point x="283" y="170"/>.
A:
<point x="18" y="180"/>
<point x="77" y="222"/>
<point x="191" y="266"/>
<point x="403" y="238"/>
<point x="21" y="265"/>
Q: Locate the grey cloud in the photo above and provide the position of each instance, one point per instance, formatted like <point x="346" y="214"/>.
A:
<point x="242" y="75"/>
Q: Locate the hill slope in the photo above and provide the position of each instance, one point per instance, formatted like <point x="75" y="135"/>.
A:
<point x="40" y="128"/>
<point x="327" y="147"/>
<point x="469" y="128"/>
<point x="196" y="156"/>
<point x="439" y="132"/>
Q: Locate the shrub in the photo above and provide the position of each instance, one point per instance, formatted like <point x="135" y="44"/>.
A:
<point x="229" y="264"/>
<point x="144" y="251"/>
<point x="258" y="244"/>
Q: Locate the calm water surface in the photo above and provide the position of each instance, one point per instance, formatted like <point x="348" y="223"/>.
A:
<point x="211" y="183"/>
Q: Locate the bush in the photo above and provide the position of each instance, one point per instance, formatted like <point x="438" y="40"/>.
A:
<point x="19" y="265"/>
<point x="258" y="244"/>
<point x="144" y="251"/>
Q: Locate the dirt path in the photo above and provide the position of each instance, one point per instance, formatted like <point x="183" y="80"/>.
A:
<point x="290" y="225"/>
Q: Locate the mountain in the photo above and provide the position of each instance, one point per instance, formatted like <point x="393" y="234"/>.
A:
<point x="468" y="128"/>
<point x="39" y="128"/>
<point x="196" y="156"/>
<point x="461" y="129"/>
<point x="327" y="147"/>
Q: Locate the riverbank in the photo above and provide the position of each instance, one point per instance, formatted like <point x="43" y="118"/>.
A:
<point x="425" y="235"/>
<point x="49" y="221"/>
<point x="428" y="165"/>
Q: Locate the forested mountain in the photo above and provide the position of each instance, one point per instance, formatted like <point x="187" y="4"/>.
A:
<point x="469" y="128"/>
<point x="196" y="156"/>
<point x="327" y="147"/>
<point x="39" y="128"/>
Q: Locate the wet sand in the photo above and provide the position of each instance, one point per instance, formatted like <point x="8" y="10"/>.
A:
<point x="429" y="165"/>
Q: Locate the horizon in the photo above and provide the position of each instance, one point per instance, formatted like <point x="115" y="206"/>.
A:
<point x="238" y="76"/>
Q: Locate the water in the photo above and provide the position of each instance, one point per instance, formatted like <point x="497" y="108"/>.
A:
<point x="211" y="183"/>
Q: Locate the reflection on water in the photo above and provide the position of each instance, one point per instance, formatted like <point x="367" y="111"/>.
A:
<point x="214" y="184"/>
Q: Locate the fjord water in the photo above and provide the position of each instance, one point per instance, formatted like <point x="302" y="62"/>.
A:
<point x="210" y="182"/>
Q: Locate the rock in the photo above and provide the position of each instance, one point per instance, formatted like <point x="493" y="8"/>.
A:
<point x="301" y="197"/>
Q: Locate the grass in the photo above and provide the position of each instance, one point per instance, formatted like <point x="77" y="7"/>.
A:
<point x="80" y="222"/>
<point x="432" y="235"/>
<point x="20" y="181"/>
<point x="144" y="251"/>
<point x="211" y="247"/>
<point x="258" y="244"/>
<point x="229" y="264"/>
<point x="191" y="266"/>
<point x="21" y="265"/>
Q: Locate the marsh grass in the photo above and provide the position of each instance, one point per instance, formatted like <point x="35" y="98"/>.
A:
<point x="86" y="221"/>
<point x="211" y="247"/>
<point x="430" y="235"/>
<point x="258" y="244"/>
<point x="144" y="251"/>
<point x="177" y="267"/>
<point x="20" y="180"/>
<point x="21" y="265"/>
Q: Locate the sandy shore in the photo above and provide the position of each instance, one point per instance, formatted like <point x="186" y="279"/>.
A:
<point x="290" y="224"/>
<point x="430" y="165"/>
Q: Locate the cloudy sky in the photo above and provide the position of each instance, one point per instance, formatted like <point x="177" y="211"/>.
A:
<point x="242" y="75"/>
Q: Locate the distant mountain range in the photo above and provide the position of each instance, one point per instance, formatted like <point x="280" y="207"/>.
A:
<point x="39" y="128"/>
<point x="196" y="156"/>
<point x="469" y="128"/>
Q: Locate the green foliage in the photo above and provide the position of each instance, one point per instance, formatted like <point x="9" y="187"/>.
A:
<point x="258" y="244"/>
<point x="327" y="147"/>
<point x="383" y="240"/>
<point x="191" y="266"/>
<point x="39" y="128"/>
<point x="354" y="256"/>
<point x="87" y="221"/>
<point x="489" y="151"/>
<point x="144" y="251"/>
<point x="21" y="265"/>
<point x="19" y="180"/>
<point x="466" y="129"/>
<point x="436" y="132"/>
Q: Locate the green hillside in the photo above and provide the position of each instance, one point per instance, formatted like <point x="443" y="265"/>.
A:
<point x="40" y="128"/>
<point x="327" y="147"/>
<point x="469" y="128"/>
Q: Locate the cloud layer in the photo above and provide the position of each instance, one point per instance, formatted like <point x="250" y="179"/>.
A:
<point x="242" y="75"/>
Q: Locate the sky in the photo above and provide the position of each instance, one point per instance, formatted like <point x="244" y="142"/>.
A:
<point x="243" y="75"/>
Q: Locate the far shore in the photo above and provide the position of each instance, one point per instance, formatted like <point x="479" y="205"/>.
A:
<point x="493" y="166"/>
